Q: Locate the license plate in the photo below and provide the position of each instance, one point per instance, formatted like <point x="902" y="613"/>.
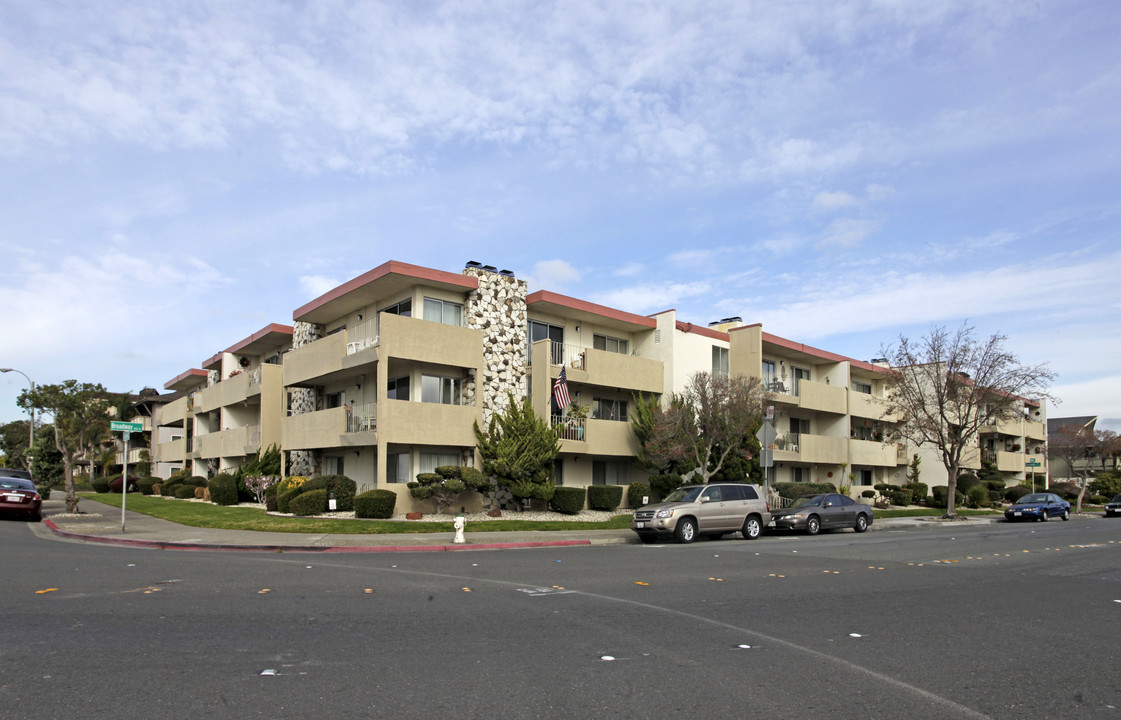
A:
<point x="640" y="524"/>
<point x="1017" y="513"/>
<point x="14" y="498"/>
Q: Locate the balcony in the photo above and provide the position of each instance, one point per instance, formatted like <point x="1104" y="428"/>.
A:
<point x="420" y="423"/>
<point x="174" y="413"/>
<point x="869" y="406"/>
<point x="362" y="418"/>
<point x="809" y="395"/>
<point x="600" y="367"/>
<point x="802" y="447"/>
<point x="321" y="429"/>
<point x="173" y="451"/>
<point x="876" y="454"/>
<point x="232" y="442"/>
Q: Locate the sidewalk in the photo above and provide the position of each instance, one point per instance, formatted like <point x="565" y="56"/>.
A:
<point x="149" y="532"/>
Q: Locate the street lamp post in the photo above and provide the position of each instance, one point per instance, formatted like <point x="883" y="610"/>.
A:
<point x="31" y="440"/>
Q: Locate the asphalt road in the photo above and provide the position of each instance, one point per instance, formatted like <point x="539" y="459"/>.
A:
<point x="997" y="621"/>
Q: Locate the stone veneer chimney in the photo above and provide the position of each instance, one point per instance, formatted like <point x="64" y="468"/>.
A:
<point x="302" y="462"/>
<point x="498" y="308"/>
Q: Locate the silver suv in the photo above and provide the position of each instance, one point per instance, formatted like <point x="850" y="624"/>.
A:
<point x="715" y="509"/>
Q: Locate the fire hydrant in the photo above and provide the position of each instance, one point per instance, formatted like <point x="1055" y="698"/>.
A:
<point x="459" y="524"/>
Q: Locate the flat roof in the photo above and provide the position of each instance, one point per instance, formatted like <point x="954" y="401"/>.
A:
<point x="187" y="380"/>
<point x="565" y="306"/>
<point x="378" y="284"/>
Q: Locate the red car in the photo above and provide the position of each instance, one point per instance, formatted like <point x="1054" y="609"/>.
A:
<point x="19" y="497"/>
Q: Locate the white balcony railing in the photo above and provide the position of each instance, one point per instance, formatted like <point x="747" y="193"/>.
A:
<point x="362" y="336"/>
<point x="362" y="418"/>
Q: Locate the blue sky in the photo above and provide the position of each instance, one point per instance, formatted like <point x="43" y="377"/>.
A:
<point x="175" y="176"/>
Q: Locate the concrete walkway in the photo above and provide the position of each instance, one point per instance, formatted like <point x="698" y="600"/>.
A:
<point x="103" y="525"/>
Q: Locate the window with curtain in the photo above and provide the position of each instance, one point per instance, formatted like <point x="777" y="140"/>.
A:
<point x="610" y="344"/>
<point x="442" y="311"/>
<point x="443" y="390"/>
<point x="719" y="361"/>
<point x="429" y="461"/>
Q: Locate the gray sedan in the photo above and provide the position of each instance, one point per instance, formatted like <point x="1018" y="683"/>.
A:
<point x="823" y="512"/>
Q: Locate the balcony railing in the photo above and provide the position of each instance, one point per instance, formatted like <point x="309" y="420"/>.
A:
<point x="362" y="418"/>
<point x="571" y="355"/>
<point x="362" y="336"/>
<point x="570" y="428"/>
<point x="255" y="376"/>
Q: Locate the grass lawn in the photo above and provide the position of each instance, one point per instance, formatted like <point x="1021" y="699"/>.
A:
<point x="928" y="512"/>
<point x="196" y="514"/>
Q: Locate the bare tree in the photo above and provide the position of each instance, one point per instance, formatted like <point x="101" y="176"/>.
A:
<point x="1074" y="445"/>
<point x="712" y="418"/>
<point x="947" y="385"/>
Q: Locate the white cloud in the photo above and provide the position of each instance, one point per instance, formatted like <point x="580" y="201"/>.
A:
<point x="553" y="275"/>
<point x="649" y="298"/>
<point x="312" y="286"/>
<point x="630" y="270"/>
<point x="848" y="232"/>
<point x="826" y="201"/>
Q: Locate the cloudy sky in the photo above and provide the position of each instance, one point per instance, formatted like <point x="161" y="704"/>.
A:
<point x="175" y="176"/>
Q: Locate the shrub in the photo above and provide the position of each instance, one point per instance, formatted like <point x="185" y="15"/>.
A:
<point x="868" y="494"/>
<point x="375" y="504"/>
<point x="939" y="493"/>
<point x="284" y="497"/>
<point x="255" y="486"/>
<point x="919" y="491"/>
<point x="605" y="497"/>
<point x="145" y="484"/>
<point x="1065" y="490"/>
<point x="342" y="487"/>
<point x="197" y="481"/>
<point x="289" y="483"/>
<point x="901" y="497"/>
<point x="1106" y="484"/>
<point x="798" y="490"/>
<point x="966" y="481"/>
<point x="184" y="492"/>
<point x="1016" y="492"/>
<point x="978" y="496"/>
<point x="167" y="489"/>
<point x="663" y="485"/>
<point x="118" y="481"/>
<point x="100" y="484"/>
<point x="636" y="491"/>
<point x="270" y="498"/>
<point x="223" y="489"/>
<point x="156" y="488"/>
<point x="310" y="502"/>
<point x="1097" y="500"/>
<point x="202" y="494"/>
<point x="567" y="500"/>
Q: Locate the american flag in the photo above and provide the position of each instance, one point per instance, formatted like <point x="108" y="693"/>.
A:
<point x="560" y="390"/>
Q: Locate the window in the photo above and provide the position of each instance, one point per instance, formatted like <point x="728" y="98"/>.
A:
<point x="397" y="468"/>
<point x="608" y="409"/>
<point x="398" y="389"/>
<point x="800" y="374"/>
<point x="719" y="361"/>
<point x="333" y="465"/>
<point x="403" y="308"/>
<point x="443" y="390"/>
<point x="442" y="311"/>
<point x="799" y="474"/>
<point x="558" y="472"/>
<point x="333" y="400"/>
<point x="610" y="344"/>
<point x="769" y="374"/>
<point x="429" y="461"/>
<point x="861" y="387"/>
<point x="609" y="473"/>
<point x="554" y="333"/>
<point x="799" y="425"/>
<point x="865" y="477"/>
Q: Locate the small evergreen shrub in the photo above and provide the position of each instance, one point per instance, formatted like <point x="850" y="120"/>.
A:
<point x="978" y="496"/>
<point x="100" y="484"/>
<point x="156" y="488"/>
<point x="223" y="489"/>
<point x="167" y="489"/>
<point x="663" y="485"/>
<point x="310" y="502"/>
<point x="145" y="484"/>
<point x="1097" y="500"/>
<point x="377" y="504"/>
<point x="270" y="498"/>
<point x="342" y="487"/>
<point x="605" y="497"/>
<point x="868" y="494"/>
<point x="201" y="493"/>
<point x="636" y="491"/>
<point x="798" y="490"/>
<point x="901" y="497"/>
<point x="567" y="500"/>
<point x="919" y="492"/>
<point x="939" y="493"/>
<point x="284" y="497"/>
<point x="291" y="482"/>
<point x="184" y="492"/>
<point x="1016" y="492"/>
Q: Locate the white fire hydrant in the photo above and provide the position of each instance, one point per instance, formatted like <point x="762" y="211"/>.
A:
<point x="459" y="525"/>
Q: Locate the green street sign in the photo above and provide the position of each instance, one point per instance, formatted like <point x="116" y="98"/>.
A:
<point x="115" y="426"/>
<point x="1033" y="463"/>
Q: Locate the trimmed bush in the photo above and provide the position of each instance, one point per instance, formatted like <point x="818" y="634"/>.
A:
<point x="342" y="487"/>
<point x="100" y="484"/>
<point x="636" y="491"/>
<point x="1016" y="492"/>
<point x="798" y="490"/>
<point x="978" y="496"/>
<point x="919" y="492"/>
<point x="605" y="497"/>
<point x="156" y="488"/>
<point x="270" y="498"/>
<point x="202" y="494"/>
<point x="310" y="502"/>
<point x="197" y="481"/>
<point x="663" y="485"/>
<point x="868" y="494"/>
<point x="167" y="488"/>
<point x="223" y="489"/>
<point x="118" y="481"/>
<point x="567" y="500"/>
<point x="283" y="498"/>
<point x="939" y="493"/>
<point x="901" y="498"/>
<point x="376" y="504"/>
<point x="1097" y="500"/>
<point x="184" y="492"/>
<point x="289" y="483"/>
<point x="145" y="484"/>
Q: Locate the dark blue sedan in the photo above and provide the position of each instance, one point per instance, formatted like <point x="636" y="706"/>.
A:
<point x="1038" y="506"/>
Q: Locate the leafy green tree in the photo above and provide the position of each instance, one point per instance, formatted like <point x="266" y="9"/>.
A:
<point x="519" y="450"/>
<point x="46" y="460"/>
<point x="80" y="412"/>
<point x="14" y="437"/>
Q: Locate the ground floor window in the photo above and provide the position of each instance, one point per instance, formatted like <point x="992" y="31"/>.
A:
<point x="429" y="461"/>
<point x="799" y="474"/>
<point x="333" y="465"/>
<point x="609" y="473"/>
<point x="865" y="477"/>
<point x="397" y="467"/>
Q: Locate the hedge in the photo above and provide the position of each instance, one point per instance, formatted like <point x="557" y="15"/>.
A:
<point x="342" y="487"/>
<point x="798" y="490"/>
<point x="567" y="500"/>
<point x="146" y="484"/>
<point x="377" y="504"/>
<point x="184" y="492"/>
<point x="605" y="497"/>
<point x="100" y="484"/>
<point x="223" y="489"/>
<point x="311" y="502"/>
<point x="284" y="497"/>
<point x="638" y="490"/>
<point x="270" y="498"/>
<point x="939" y="493"/>
<point x="1016" y="492"/>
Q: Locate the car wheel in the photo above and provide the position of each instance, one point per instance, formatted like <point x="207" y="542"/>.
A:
<point x="1043" y="516"/>
<point x="686" y="530"/>
<point x="1066" y="515"/>
<point x="752" y="528"/>
<point x="813" y="525"/>
<point x="861" y="523"/>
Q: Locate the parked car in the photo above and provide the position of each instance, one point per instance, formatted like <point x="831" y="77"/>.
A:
<point x="1038" y="506"/>
<point x="824" y="512"/>
<point x="715" y="509"/>
<point x="12" y="472"/>
<point x="18" y="496"/>
<point x="1113" y="507"/>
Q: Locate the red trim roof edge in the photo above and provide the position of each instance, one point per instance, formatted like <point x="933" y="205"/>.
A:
<point x="390" y="267"/>
<point x="595" y="309"/>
